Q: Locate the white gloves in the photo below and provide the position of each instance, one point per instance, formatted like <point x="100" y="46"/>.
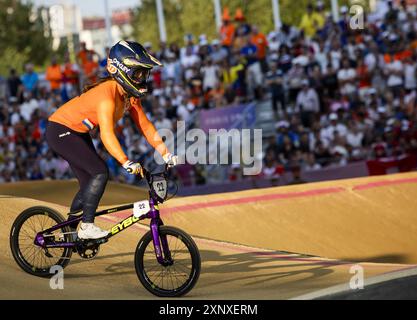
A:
<point x="133" y="168"/>
<point x="170" y="159"/>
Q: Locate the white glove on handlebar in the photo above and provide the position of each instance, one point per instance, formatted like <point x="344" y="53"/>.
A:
<point x="170" y="159"/>
<point x="133" y="168"/>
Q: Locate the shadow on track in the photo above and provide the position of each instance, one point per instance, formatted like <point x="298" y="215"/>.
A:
<point x="265" y="267"/>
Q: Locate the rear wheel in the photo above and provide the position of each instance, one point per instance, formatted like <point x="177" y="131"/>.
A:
<point x="180" y="275"/>
<point x="30" y="257"/>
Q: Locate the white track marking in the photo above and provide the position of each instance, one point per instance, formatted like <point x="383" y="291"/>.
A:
<point x="341" y="288"/>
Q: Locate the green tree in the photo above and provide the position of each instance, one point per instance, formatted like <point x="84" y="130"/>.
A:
<point x="22" y="36"/>
<point x="197" y="16"/>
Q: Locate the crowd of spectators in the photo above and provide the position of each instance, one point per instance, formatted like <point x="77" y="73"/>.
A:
<point x="338" y="94"/>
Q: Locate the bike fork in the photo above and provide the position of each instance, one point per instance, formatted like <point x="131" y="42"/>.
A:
<point x="160" y="243"/>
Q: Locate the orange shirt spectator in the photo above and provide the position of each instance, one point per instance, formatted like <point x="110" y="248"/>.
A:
<point x="405" y="54"/>
<point x="260" y="41"/>
<point x="90" y="70"/>
<point x="70" y="73"/>
<point x="401" y="56"/>
<point x="227" y="33"/>
<point x="54" y="75"/>
<point x="82" y="55"/>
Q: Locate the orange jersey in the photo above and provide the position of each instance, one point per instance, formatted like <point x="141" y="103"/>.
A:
<point x="81" y="114"/>
<point x="74" y="112"/>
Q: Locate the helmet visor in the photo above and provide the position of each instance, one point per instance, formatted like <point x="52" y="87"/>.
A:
<point x="141" y="75"/>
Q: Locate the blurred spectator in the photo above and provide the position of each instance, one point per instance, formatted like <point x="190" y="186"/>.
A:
<point x="30" y="80"/>
<point x="410" y="73"/>
<point x="296" y="176"/>
<point x="160" y="121"/>
<point x="310" y="22"/>
<point x="54" y="76"/>
<point x="211" y="75"/>
<point x="48" y="165"/>
<point x="261" y="43"/>
<point x="91" y="69"/>
<point x="103" y="73"/>
<point x="227" y="30"/>
<point x="172" y="69"/>
<point x="70" y="78"/>
<point x="308" y="103"/>
<point x="243" y="28"/>
<point x="15" y="85"/>
<point x="82" y="55"/>
<point x="29" y="105"/>
<point x="218" y="54"/>
<point x="275" y="81"/>
<point x="3" y="89"/>
<point x="254" y="75"/>
<point x="347" y="78"/>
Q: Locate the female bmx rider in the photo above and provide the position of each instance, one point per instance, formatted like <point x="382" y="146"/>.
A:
<point x="103" y="104"/>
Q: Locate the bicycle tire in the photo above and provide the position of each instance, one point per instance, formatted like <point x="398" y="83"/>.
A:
<point x="26" y="266"/>
<point x="195" y="258"/>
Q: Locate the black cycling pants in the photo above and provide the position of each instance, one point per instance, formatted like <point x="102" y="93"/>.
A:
<point x="89" y="168"/>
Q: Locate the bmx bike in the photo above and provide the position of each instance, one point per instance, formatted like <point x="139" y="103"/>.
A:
<point x="167" y="260"/>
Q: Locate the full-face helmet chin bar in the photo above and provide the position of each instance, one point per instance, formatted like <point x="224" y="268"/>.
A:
<point x="158" y="185"/>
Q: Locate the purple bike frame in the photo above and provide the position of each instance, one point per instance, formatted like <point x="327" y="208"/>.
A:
<point x="160" y="243"/>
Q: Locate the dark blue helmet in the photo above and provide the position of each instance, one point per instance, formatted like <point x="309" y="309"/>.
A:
<point x="130" y="65"/>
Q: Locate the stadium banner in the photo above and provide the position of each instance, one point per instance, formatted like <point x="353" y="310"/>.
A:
<point x="242" y="116"/>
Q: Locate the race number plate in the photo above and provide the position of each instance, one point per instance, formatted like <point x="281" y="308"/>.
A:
<point x="160" y="187"/>
<point x="141" y="208"/>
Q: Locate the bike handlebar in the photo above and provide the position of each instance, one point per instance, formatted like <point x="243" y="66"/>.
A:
<point x="148" y="175"/>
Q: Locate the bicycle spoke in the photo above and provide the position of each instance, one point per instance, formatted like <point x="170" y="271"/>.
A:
<point x="32" y="254"/>
<point x="31" y="225"/>
<point x="183" y="268"/>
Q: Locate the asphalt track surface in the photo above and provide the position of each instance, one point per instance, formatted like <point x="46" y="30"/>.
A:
<point x="403" y="288"/>
<point x="244" y="240"/>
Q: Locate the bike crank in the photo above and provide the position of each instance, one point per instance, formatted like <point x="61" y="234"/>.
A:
<point x="89" y="249"/>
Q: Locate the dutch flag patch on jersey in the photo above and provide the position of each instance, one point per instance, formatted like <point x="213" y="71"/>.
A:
<point x="89" y="124"/>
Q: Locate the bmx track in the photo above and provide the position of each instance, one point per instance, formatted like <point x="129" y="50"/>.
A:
<point x="278" y="243"/>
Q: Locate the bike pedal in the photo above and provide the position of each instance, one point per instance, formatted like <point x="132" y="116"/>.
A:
<point x="93" y="241"/>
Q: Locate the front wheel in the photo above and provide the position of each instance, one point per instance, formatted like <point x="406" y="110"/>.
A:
<point x="176" y="278"/>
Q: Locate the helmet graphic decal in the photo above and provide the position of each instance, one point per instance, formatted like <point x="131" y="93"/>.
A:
<point x="155" y="60"/>
<point x="126" y="45"/>
<point x="135" y="63"/>
<point x="110" y="67"/>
